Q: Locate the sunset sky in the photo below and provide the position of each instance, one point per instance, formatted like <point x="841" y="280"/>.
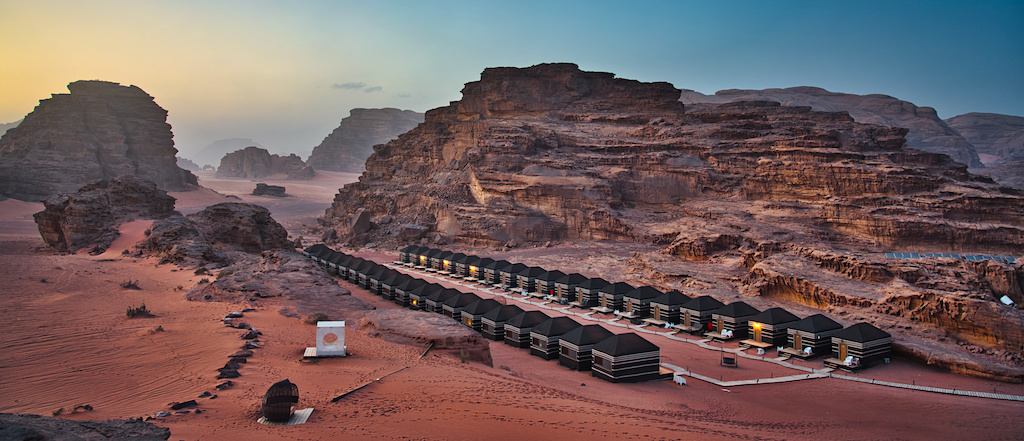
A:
<point x="286" y="73"/>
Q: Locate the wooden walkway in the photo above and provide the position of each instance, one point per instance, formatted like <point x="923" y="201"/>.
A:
<point x="781" y="361"/>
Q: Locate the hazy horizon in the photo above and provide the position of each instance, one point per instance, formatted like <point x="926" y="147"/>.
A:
<point x="285" y="75"/>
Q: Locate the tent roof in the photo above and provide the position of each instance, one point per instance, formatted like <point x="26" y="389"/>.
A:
<point x="503" y="312"/>
<point x="593" y="283"/>
<point x="532" y="272"/>
<point x="497" y="265"/>
<point x="572" y="279"/>
<point x="443" y="295"/>
<point x="481" y="306"/>
<point x="862" y="332"/>
<point x="625" y="344"/>
<point x="644" y="293"/>
<point x="556" y="326"/>
<point x="513" y="268"/>
<point x="774" y="316"/>
<point x="737" y="309"/>
<point x="462" y="300"/>
<point x="815" y="324"/>
<point x="586" y="335"/>
<point x="527" y="319"/>
<point x="617" y="288"/>
<point x="411" y="284"/>
<point x="427" y="289"/>
<point x="703" y="303"/>
<point x="672" y="298"/>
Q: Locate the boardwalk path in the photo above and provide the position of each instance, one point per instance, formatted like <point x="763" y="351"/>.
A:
<point x="810" y="375"/>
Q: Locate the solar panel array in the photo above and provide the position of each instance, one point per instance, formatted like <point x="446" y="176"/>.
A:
<point x="969" y="257"/>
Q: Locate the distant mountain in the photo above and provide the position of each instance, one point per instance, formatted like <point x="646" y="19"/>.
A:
<point x="348" y="146"/>
<point x="997" y="138"/>
<point x="213" y="152"/>
<point x="927" y="131"/>
<point x="7" y="126"/>
<point x="186" y="164"/>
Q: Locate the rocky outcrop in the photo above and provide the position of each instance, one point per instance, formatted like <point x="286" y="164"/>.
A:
<point x="254" y="163"/>
<point x="424" y="328"/>
<point x="42" y="428"/>
<point x="90" y="216"/>
<point x="779" y="205"/>
<point x="186" y="164"/>
<point x="926" y="130"/>
<point x="101" y="130"/>
<point x="348" y="146"/>
<point x="210" y="235"/>
<point x="268" y="190"/>
<point x="214" y="151"/>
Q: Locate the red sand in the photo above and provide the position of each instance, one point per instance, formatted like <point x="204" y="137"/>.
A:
<point x="66" y="341"/>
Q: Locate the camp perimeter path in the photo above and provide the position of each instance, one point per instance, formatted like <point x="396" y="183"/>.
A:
<point x="807" y="373"/>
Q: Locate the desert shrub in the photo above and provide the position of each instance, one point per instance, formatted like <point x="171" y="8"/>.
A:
<point x="204" y="280"/>
<point x="125" y="252"/>
<point x="137" y="311"/>
<point x="179" y="288"/>
<point x="148" y="232"/>
<point x="57" y="412"/>
<point x="83" y="408"/>
<point x="156" y="329"/>
<point x="224" y="274"/>
<point x="202" y="270"/>
<point x="43" y="280"/>
<point x="130" y="284"/>
<point x="313" y="318"/>
<point x="464" y="356"/>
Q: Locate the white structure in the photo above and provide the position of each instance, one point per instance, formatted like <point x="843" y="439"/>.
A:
<point x="330" y="340"/>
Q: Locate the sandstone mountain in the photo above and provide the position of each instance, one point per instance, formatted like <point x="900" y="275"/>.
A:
<point x="348" y="146"/>
<point x="253" y="163"/>
<point x="90" y="216"/>
<point x="187" y="164"/>
<point x="211" y="153"/>
<point x="101" y="130"/>
<point x="747" y="199"/>
<point x="999" y="140"/>
<point x="927" y="131"/>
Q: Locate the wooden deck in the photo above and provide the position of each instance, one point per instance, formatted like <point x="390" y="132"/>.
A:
<point x="756" y="344"/>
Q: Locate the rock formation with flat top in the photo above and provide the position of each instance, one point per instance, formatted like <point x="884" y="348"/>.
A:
<point x="101" y="130"/>
<point x="348" y="146"/>
<point x="254" y="163"/>
<point x="753" y="200"/>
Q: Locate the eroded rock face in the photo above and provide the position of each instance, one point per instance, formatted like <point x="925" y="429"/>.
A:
<point x="926" y="130"/>
<point x="211" y="234"/>
<point x="42" y="428"/>
<point x="90" y="216"/>
<point x="101" y="130"/>
<point x="254" y="163"/>
<point x="1000" y="143"/>
<point x="750" y="200"/>
<point x="419" y="327"/>
<point x="348" y="146"/>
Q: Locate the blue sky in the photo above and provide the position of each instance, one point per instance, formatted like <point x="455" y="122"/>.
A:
<point x="286" y="73"/>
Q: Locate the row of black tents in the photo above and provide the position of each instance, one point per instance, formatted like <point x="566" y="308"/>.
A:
<point x="612" y="357"/>
<point x="853" y="347"/>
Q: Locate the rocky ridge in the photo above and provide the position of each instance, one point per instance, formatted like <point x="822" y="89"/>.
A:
<point x="1000" y="143"/>
<point x="254" y="163"/>
<point x="926" y="130"/>
<point x="746" y="199"/>
<point x="42" y="428"/>
<point x="101" y="130"/>
<point x="347" y="147"/>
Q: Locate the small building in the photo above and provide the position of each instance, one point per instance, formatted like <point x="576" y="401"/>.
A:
<point x="402" y="290"/>
<point x="526" y="280"/>
<point x="378" y="278"/>
<point x="860" y="345"/>
<point x="518" y="328"/>
<point x="492" y="272"/>
<point x="638" y="302"/>
<point x="330" y="340"/>
<point x="696" y="314"/>
<point x="341" y="265"/>
<point x="418" y="296"/>
<point x="437" y="262"/>
<point x="544" y="337"/>
<point x="476" y="270"/>
<point x="351" y="274"/>
<point x="574" y="348"/>
<point x="462" y="266"/>
<point x="811" y="336"/>
<point x="626" y="358"/>
<point x="335" y="261"/>
<point x="565" y="288"/>
<point x="546" y="283"/>
<point x="373" y="278"/>
<point x="448" y="264"/>
<point x="363" y="273"/>
<point x="453" y="306"/>
<point x="665" y="308"/>
<point x="509" y="275"/>
<point x="493" y="322"/>
<point x="388" y="286"/>
<point x="322" y="254"/>
<point x="408" y="254"/>
<point x="731" y="320"/>
<point x="473" y="314"/>
<point x="770" y="327"/>
<point x="612" y="297"/>
<point x="427" y="258"/>
<point x="435" y="302"/>
<point x="588" y="292"/>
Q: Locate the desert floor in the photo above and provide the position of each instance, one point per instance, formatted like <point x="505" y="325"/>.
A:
<point x="66" y="341"/>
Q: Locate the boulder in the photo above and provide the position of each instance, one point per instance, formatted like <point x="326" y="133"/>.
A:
<point x="268" y="190"/>
<point x="100" y="131"/>
<point x="42" y="428"/>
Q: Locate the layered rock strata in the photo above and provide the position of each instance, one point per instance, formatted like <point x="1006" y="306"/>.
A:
<point x="90" y="216"/>
<point x="746" y="196"/>
<point x="348" y="146"/>
<point x="254" y="163"/>
<point x="101" y="130"/>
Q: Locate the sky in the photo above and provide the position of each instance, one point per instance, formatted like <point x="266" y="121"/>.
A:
<point x="286" y="73"/>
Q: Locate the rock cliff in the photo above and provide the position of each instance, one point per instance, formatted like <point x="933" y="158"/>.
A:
<point x="1000" y="143"/>
<point x="348" y="146"/>
<point x="746" y="199"/>
<point x="90" y="216"/>
<point x="254" y="163"/>
<point x="101" y="130"/>
<point x="926" y="130"/>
